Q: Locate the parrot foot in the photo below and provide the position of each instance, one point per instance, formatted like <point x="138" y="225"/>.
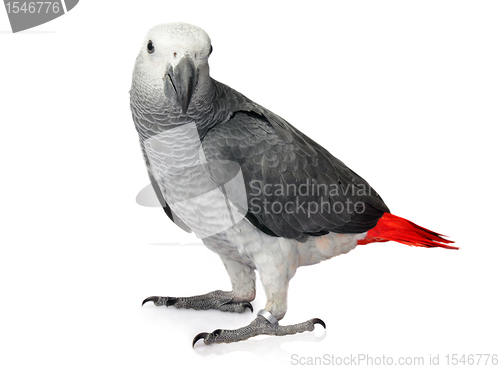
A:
<point x="260" y="325"/>
<point x="220" y="300"/>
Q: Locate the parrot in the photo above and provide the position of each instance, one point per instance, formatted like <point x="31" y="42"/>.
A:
<point x="263" y="196"/>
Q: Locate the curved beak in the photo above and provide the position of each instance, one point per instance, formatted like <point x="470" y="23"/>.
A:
<point x="180" y="82"/>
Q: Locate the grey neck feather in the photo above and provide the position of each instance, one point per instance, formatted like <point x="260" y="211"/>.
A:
<point x="212" y="104"/>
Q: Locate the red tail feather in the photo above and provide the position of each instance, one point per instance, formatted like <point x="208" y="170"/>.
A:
<point x="393" y="228"/>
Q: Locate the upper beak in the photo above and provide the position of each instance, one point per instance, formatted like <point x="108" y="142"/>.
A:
<point x="180" y="82"/>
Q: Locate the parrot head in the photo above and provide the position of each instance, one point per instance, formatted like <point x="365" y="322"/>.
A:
<point x="173" y="63"/>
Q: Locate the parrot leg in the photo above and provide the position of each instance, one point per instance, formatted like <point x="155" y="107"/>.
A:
<point x="259" y="326"/>
<point x="238" y="300"/>
<point x="266" y="323"/>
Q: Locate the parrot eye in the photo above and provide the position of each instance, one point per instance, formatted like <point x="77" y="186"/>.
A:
<point x="211" y="49"/>
<point x="151" y="48"/>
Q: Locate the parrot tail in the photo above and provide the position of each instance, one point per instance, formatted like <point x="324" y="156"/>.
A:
<point x="393" y="228"/>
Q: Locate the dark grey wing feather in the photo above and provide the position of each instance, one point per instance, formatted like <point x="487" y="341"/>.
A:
<point x="294" y="186"/>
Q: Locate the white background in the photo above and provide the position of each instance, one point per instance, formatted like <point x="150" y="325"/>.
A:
<point x="405" y="93"/>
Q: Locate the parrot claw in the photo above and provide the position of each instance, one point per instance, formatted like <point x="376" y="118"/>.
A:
<point x="318" y="321"/>
<point x="151" y="298"/>
<point x="160" y="300"/>
<point x="247" y="305"/>
<point x="200" y="336"/>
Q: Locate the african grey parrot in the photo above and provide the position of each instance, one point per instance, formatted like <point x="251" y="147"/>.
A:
<point x="256" y="190"/>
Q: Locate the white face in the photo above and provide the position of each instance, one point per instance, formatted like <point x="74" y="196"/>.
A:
<point x="165" y="45"/>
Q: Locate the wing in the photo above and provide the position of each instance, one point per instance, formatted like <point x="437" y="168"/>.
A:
<point x="294" y="187"/>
